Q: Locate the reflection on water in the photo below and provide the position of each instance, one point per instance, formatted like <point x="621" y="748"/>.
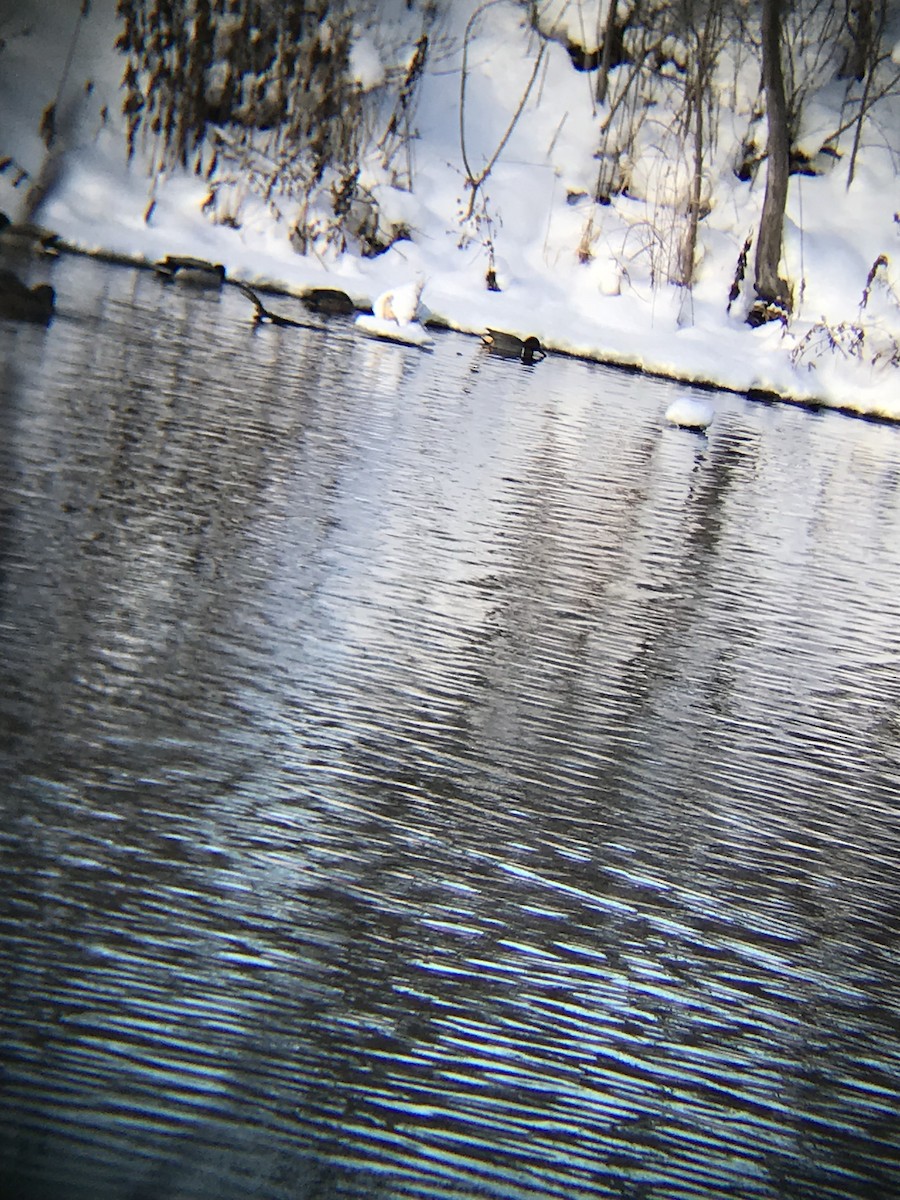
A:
<point x="427" y="776"/>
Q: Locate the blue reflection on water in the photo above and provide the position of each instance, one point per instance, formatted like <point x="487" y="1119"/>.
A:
<point x="427" y="776"/>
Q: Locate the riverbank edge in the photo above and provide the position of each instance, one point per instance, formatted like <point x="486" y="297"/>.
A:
<point x="810" y="403"/>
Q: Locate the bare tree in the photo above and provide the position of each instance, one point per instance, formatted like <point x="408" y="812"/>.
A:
<point x="772" y="292"/>
<point x="703" y="31"/>
<point x="859" y="24"/>
<point x="612" y="37"/>
<point x="871" y="64"/>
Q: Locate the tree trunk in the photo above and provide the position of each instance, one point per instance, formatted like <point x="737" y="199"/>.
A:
<point x="771" y="290"/>
<point x="607" y="53"/>
<point x="867" y="39"/>
<point x="688" y="247"/>
<point x="860" y="25"/>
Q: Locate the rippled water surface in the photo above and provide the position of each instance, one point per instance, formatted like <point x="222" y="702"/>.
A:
<point x="428" y="776"/>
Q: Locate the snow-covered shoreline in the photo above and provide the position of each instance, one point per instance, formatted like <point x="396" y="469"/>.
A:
<point x="604" y="308"/>
<point x="363" y="305"/>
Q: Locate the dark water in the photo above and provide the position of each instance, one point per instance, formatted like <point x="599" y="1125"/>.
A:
<point x="426" y="776"/>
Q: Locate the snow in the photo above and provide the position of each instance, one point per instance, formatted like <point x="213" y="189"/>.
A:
<point x="533" y="213"/>
<point x="366" y="66"/>
<point x="411" y="333"/>
<point x="400" y="305"/>
<point x="397" y="315"/>
<point x="690" y="412"/>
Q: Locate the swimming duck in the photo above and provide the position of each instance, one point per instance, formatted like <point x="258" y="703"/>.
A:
<point x="509" y="346"/>
<point x="196" y="272"/>
<point x="28" y="237"/>
<point x="690" y="412"/>
<point x="22" y="303"/>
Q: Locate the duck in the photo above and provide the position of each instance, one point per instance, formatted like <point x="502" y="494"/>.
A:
<point x="690" y="412"/>
<point x="22" y="303"/>
<point x="329" y="301"/>
<point x="196" y="272"/>
<point x="28" y="237"/>
<point x="529" y="349"/>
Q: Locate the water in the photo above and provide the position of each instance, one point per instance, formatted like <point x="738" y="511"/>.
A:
<point x="427" y="776"/>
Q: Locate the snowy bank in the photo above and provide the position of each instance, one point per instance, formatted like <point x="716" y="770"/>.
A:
<point x="582" y="276"/>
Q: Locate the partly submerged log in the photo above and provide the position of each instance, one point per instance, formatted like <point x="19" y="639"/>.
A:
<point x="33" y="238"/>
<point x="263" y="315"/>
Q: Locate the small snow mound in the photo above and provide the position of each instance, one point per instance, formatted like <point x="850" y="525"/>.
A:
<point x="690" y="412"/>
<point x="366" y="66"/>
<point x="400" y="305"/>
<point x="410" y="334"/>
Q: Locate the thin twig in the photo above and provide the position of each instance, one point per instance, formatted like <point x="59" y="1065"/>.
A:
<point x="471" y="179"/>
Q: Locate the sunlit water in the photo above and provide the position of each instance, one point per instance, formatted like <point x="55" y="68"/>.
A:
<point x="429" y="776"/>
